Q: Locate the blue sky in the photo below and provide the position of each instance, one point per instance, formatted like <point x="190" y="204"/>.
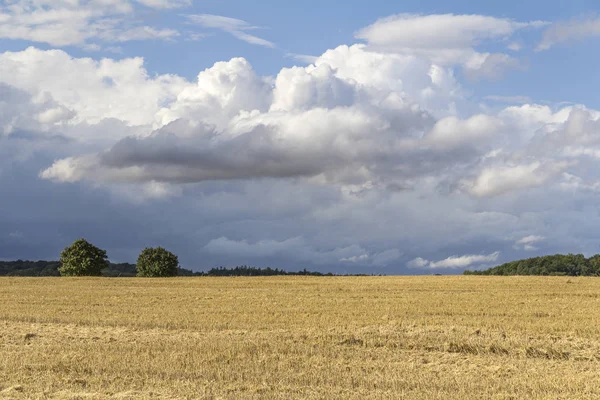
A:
<point x="385" y="137"/>
<point x="311" y="27"/>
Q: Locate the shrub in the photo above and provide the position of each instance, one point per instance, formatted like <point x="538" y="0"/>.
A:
<point x="157" y="262"/>
<point x="82" y="259"/>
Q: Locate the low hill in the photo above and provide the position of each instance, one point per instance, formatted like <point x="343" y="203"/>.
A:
<point x="557" y="265"/>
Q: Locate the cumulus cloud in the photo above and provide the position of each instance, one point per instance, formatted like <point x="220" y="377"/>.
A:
<point x="365" y="158"/>
<point x="332" y="122"/>
<point x="220" y="94"/>
<point x="454" y="261"/>
<point x="566" y="31"/>
<point x="326" y="143"/>
<point x="21" y="112"/>
<point x="314" y="121"/>
<point x="235" y="27"/>
<point x="93" y="90"/>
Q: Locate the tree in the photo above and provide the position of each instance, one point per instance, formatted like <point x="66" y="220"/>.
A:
<point x="157" y="262"/>
<point x="594" y="262"/>
<point x="82" y="259"/>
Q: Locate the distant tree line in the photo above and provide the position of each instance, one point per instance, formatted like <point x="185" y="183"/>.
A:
<point x="555" y="265"/>
<point x="29" y="268"/>
<point x="244" y="270"/>
<point x="50" y="268"/>
<point x="84" y="259"/>
<point x="126" y="270"/>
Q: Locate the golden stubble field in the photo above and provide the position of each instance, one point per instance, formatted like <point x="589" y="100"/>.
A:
<point x="300" y="338"/>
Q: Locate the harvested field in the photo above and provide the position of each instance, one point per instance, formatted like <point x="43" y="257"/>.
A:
<point x="300" y="338"/>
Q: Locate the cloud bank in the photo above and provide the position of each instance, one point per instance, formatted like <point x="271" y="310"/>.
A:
<point x="374" y="155"/>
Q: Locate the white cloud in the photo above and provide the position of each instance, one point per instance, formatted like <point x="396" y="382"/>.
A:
<point x="515" y="46"/>
<point x="354" y="119"/>
<point x="163" y="4"/>
<point x="79" y="23"/>
<point x="300" y="88"/>
<point x="447" y="39"/>
<point x="66" y="169"/>
<point x="305" y="58"/>
<point x="236" y="27"/>
<point x="577" y="151"/>
<point x="528" y="242"/>
<point x="566" y="31"/>
<point x="91" y="90"/>
<point x="356" y="259"/>
<point x="496" y="180"/>
<point x="143" y="33"/>
<point x="395" y="80"/>
<point x="19" y="111"/>
<point x="574" y="183"/>
<point x="56" y="114"/>
<point x="464" y="261"/>
<point x="314" y="165"/>
<point x="418" y="262"/>
<point x="445" y="31"/>
<point x="451" y="132"/>
<point x="454" y="261"/>
<point x="219" y="95"/>
<point x="489" y="66"/>
<point x="530" y="239"/>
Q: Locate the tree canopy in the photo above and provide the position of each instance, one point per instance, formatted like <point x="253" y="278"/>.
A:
<point x="82" y="259"/>
<point x="558" y="264"/>
<point x="157" y="263"/>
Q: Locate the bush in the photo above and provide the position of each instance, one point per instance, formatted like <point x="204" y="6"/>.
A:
<point x="157" y="262"/>
<point x="82" y="259"/>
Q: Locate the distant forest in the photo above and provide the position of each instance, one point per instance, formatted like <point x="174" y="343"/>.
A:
<point x="556" y="265"/>
<point x="50" y="268"/>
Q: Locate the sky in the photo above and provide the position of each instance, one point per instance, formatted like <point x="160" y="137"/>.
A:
<point x="377" y="137"/>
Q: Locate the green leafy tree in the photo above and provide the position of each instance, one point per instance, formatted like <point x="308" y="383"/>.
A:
<point x="157" y="262"/>
<point x="555" y="265"/>
<point x="82" y="259"/>
<point x="594" y="263"/>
